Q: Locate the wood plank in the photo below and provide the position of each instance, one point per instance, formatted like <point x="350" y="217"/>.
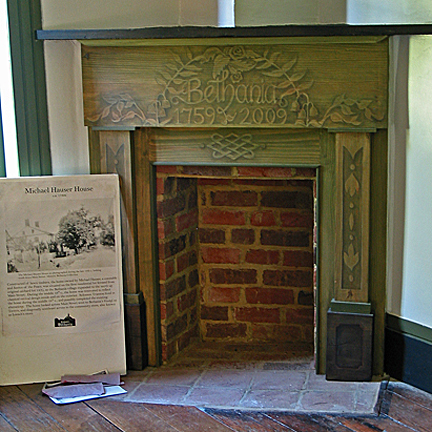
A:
<point x="409" y="413"/>
<point x="298" y="422"/>
<point x="74" y="417"/>
<point x="372" y="424"/>
<point x="5" y="426"/>
<point x="24" y="414"/>
<point x="187" y="419"/>
<point x="415" y="395"/>
<point x="246" y="422"/>
<point x="130" y="417"/>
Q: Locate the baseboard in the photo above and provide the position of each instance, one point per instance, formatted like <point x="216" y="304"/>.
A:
<point x="408" y="357"/>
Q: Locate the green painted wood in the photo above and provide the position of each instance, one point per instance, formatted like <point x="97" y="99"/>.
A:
<point x="2" y="156"/>
<point x="350" y="307"/>
<point x="28" y="72"/>
<point x="402" y="325"/>
<point x="251" y="147"/>
<point x="315" y="85"/>
<point x="378" y="244"/>
<point x="326" y="241"/>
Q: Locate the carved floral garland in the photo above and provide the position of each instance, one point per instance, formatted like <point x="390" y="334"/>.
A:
<point x="231" y="63"/>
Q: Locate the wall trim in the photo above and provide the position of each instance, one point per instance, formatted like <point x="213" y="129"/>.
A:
<point x="408" y="352"/>
<point x="28" y="72"/>
<point x="410" y="328"/>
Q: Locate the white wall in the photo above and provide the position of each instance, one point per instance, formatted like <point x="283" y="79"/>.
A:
<point x="416" y="298"/>
<point x="389" y="11"/>
<point x="69" y="149"/>
<point x="280" y="12"/>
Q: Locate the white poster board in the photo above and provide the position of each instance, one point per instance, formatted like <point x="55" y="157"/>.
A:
<point x="61" y="292"/>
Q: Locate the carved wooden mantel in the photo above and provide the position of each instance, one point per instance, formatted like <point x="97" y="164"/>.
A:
<point x="319" y="102"/>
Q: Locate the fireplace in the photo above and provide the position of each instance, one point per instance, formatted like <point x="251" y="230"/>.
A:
<point x="193" y="129"/>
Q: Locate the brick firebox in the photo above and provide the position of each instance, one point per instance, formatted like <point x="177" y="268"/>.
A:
<point x="235" y="255"/>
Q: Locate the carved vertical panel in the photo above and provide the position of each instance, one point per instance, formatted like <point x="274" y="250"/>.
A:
<point x="115" y="154"/>
<point x="352" y="216"/>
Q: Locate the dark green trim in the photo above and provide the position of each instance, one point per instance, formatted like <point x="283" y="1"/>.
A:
<point x="350" y="307"/>
<point x="408" y="359"/>
<point x="28" y="71"/>
<point x="410" y="328"/>
<point x="314" y="30"/>
<point x="2" y="155"/>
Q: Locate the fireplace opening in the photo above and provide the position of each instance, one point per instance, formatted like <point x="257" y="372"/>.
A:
<point x="236" y="256"/>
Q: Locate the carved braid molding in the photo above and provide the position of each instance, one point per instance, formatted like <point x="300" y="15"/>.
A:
<point x="279" y="98"/>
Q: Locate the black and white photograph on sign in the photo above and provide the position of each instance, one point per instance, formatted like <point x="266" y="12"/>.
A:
<point x="60" y="270"/>
<point x="81" y="236"/>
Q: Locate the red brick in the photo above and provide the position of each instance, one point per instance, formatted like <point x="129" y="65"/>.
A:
<point x="300" y="316"/>
<point x="165" y="228"/>
<point x="234" y="198"/>
<point x="285" y="238"/>
<point x="171" y="206"/>
<point x="263" y="218"/>
<point x="223" y="217"/>
<point x="168" y="350"/>
<point x="305" y="298"/>
<point x="174" y="287"/>
<point x="243" y="236"/>
<point x="224" y="295"/>
<point x="223" y="276"/>
<point x="305" y="172"/>
<point x="260" y="315"/>
<point x="292" y="219"/>
<point x="186" y="260"/>
<point x="193" y="278"/>
<point x="214" y="313"/>
<point x="207" y="171"/>
<point x="265" y="182"/>
<point x="166" y="269"/>
<point x="279" y="333"/>
<point x="226" y="330"/>
<point x="293" y="278"/>
<point x="220" y="255"/>
<point x="187" y="300"/>
<point x="185" y="339"/>
<point x="297" y="258"/>
<point x="187" y="220"/>
<point x="264" y="172"/>
<point x="162" y="311"/>
<point x="286" y="199"/>
<point x="213" y="182"/>
<point x="261" y="256"/>
<point x="270" y="296"/>
<point x="172" y="247"/>
<point x="212" y="236"/>
<point x="177" y="327"/>
<point x="167" y="169"/>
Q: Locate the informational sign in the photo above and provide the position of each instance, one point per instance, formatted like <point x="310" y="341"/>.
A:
<point x="60" y="277"/>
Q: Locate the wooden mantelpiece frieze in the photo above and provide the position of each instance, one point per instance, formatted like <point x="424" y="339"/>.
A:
<point x="341" y="82"/>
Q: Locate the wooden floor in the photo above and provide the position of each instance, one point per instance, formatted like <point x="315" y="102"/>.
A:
<point x="23" y="408"/>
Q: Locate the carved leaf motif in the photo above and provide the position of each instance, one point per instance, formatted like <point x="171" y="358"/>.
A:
<point x="351" y="258"/>
<point x="352" y="186"/>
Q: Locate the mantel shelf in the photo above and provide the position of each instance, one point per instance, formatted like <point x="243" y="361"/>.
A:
<point x="320" y="30"/>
